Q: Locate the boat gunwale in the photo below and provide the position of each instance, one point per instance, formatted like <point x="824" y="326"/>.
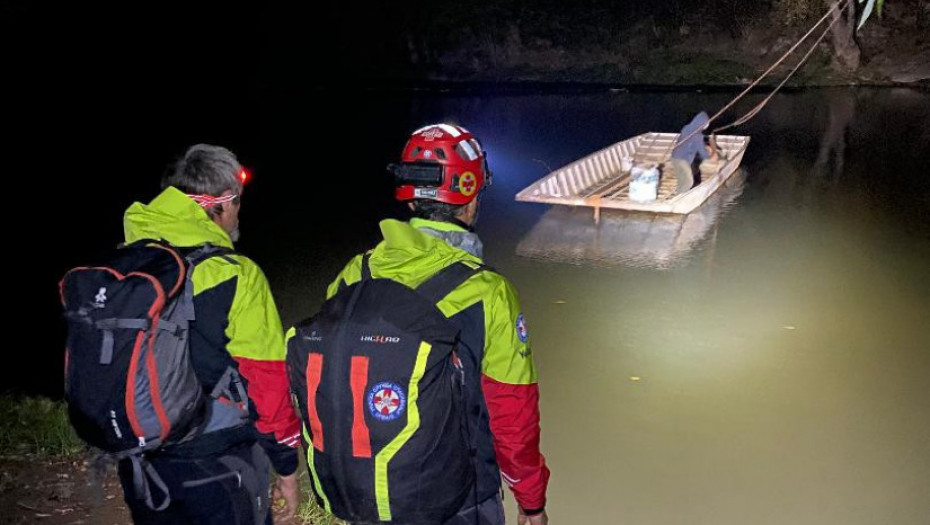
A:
<point x="677" y="204"/>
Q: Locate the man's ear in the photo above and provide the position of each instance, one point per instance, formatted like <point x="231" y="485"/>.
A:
<point x="216" y="212"/>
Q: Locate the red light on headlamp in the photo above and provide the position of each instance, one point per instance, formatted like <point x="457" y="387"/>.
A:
<point x="244" y="176"/>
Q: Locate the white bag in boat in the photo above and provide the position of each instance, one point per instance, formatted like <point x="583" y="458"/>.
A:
<point x="644" y="183"/>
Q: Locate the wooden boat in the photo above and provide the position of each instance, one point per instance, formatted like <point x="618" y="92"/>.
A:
<point x="602" y="179"/>
<point x="566" y="234"/>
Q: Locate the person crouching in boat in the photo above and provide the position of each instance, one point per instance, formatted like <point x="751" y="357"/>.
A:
<point x="694" y="156"/>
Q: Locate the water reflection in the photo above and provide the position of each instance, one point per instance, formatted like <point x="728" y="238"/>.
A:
<point x="569" y="235"/>
<point x="782" y="356"/>
<point x="842" y="107"/>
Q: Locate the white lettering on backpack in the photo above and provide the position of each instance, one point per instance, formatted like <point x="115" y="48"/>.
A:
<point x="380" y="339"/>
<point x="113" y="422"/>
<point x="101" y="298"/>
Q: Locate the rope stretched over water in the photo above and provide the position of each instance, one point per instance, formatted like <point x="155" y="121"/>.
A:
<point x="755" y="111"/>
<point x="835" y="5"/>
<point x="838" y="5"/>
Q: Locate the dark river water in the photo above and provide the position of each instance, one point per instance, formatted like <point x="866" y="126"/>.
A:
<point x="763" y="361"/>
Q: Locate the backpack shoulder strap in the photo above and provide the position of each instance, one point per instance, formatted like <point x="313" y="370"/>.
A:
<point x="201" y="253"/>
<point x="193" y="255"/>
<point x="446" y="280"/>
<point x="366" y="266"/>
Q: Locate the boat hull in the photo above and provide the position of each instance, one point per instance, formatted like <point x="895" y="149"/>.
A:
<point x="601" y="179"/>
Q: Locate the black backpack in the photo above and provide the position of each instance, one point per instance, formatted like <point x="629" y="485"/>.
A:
<point x="380" y="392"/>
<point x="129" y="382"/>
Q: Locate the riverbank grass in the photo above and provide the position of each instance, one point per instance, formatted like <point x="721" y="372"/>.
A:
<point x="36" y="426"/>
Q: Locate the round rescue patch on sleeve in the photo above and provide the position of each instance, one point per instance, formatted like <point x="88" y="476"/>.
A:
<point x="522" y="332"/>
<point x="386" y="401"/>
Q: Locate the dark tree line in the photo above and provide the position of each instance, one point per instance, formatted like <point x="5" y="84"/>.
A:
<point x="411" y="36"/>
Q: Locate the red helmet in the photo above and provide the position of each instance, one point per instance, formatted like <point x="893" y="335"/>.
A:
<point x="441" y="162"/>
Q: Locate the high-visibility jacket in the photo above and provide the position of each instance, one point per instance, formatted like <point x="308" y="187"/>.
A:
<point x="237" y="325"/>
<point x="500" y="374"/>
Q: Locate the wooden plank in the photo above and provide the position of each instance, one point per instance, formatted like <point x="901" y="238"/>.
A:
<point x="614" y="184"/>
<point x="599" y="189"/>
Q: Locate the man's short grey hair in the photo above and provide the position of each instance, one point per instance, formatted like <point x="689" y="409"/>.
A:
<point x="436" y="210"/>
<point x="204" y="170"/>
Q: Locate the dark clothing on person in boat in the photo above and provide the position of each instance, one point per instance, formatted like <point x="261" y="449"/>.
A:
<point x="691" y="152"/>
<point x="693" y="146"/>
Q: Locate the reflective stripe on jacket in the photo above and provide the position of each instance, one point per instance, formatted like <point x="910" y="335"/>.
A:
<point x="502" y="391"/>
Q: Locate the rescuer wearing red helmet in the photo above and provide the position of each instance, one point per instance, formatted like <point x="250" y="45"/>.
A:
<point x="443" y="171"/>
<point x="443" y="163"/>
